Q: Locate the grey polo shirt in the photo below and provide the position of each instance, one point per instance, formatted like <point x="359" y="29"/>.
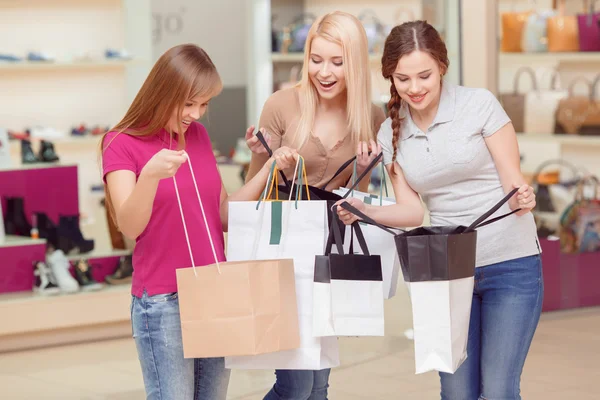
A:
<point x="452" y="170"/>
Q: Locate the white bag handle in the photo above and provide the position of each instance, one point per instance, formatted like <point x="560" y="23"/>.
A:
<point x="187" y="237"/>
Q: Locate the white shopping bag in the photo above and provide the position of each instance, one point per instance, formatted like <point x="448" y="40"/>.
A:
<point x="347" y="291"/>
<point x="379" y="243"/>
<point x="441" y="312"/>
<point x="275" y="230"/>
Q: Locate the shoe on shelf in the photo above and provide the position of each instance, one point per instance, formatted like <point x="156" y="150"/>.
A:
<point x="83" y="274"/>
<point x="10" y="58"/>
<point x="27" y="154"/>
<point x="123" y="274"/>
<point x="80" y="130"/>
<point x="60" y="266"/>
<point x="39" y="56"/>
<point x="47" y="229"/>
<point x="70" y="238"/>
<point x="117" y="54"/>
<point x="45" y="283"/>
<point x="15" y="222"/>
<point x="47" y="153"/>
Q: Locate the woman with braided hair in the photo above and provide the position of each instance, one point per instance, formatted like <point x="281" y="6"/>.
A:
<point x="455" y="148"/>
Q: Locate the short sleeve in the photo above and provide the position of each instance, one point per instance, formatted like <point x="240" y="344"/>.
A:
<point x="272" y="118"/>
<point x="494" y="115"/>
<point x="384" y="137"/>
<point x="116" y="154"/>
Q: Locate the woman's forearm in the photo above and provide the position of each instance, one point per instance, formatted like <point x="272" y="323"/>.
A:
<point x="397" y="215"/>
<point x="134" y="213"/>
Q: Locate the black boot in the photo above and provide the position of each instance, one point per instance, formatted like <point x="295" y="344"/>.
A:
<point x="123" y="274"/>
<point x="70" y="238"/>
<point x="27" y="154"/>
<point x="15" y="222"/>
<point x="83" y="274"/>
<point x="47" y="153"/>
<point x="47" y="229"/>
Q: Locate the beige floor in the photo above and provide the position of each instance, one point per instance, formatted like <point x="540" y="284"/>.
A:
<point x="563" y="364"/>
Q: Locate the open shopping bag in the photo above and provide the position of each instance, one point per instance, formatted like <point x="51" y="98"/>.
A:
<point x="347" y="290"/>
<point x="285" y="229"/>
<point x="236" y="308"/>
<point x="438" y="265"/>
<point x="378" y="241"/>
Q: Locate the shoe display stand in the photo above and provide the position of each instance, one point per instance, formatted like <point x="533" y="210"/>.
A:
<point x="570" y="280"/>
<point x="36" y="319"/>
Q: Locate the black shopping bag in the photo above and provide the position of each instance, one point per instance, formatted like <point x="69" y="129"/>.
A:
<point x="438" y="265"/>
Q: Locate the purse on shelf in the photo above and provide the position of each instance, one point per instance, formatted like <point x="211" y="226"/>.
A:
<point x="514" y="103"/>
<point x="589" y="28"/>
<point x="535" y="33"/>
<point x="563" y="32"/>
<point x="572" y="111"/>
<point x="580" y="223"/>
<point x="541" y="105"/>
<point x="513" y="27"/>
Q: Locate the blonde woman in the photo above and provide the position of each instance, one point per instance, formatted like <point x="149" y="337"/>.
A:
<point x="324" y="118"/>
<point x="139" y="155"/>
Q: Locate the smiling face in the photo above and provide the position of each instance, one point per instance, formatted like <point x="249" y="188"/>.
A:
<point x="326" y="68"/>
<point x="417" y="79"/>
<point x="193" y="110"/>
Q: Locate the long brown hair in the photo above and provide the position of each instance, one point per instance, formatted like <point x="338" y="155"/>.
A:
<point x="403" y="40"/>
<point x="180" y="74"/>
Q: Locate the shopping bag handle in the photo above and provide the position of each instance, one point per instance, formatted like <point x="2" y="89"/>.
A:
<point x="367" y="170"/>
<point x="366" y="219"/>
<point x="339" y="171"/>
<point x="337" y="234"/>
<point x="187" y="236"/>
<point x="262" y="140"/>
<point x="479" y="222"/>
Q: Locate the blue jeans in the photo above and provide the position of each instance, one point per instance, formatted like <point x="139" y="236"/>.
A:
<point x="300" y="385"/>
<point x="507" y="303"/>
<point x="167" y="375"/>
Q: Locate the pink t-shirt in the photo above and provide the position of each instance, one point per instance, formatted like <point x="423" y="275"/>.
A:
<point x="162" y="247"/>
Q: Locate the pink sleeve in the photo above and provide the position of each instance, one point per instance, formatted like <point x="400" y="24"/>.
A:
<point x="116" y="154"/>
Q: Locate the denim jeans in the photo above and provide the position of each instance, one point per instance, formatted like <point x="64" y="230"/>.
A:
<point x="300" y="385"/>
<point x="507" y="303"/>
<point x="167" y="375"/>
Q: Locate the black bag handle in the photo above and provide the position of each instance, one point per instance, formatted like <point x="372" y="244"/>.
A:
<point x="339" y="171"/>
<point x="367" y="170"/>
<point x="335" y="229"/>
<point x="479" y="221"/>
<point x="262" y="140"/>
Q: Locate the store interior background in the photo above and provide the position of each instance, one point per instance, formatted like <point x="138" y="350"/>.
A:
<point x="78" y="345"/>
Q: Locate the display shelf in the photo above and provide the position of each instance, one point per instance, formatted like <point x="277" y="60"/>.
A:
<point x="530" y="58"/>
<point x="40" y="165"/>
<point x="575" y="140"/>
<point x="37" y="320"/>
<point x="105" y="253"/>
<point x="17" y="241"/>
<point x="63" y="65"/>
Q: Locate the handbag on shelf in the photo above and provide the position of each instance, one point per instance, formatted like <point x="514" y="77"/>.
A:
<point x="515" y="103"/>
<point x="513" y="27"/>
<point x="580" y="222"/>
<point x="589" y="28"/>
<point x="541" y="105"/>
<point x="563" y="32"/>
<point x="580" y="114"/>
<point x="535" y="33"/>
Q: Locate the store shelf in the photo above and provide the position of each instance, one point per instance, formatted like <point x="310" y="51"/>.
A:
<point x="528" y="58"/>
<point x="574" y="140"/>
<point x="40" y="165"/>
<point x="299" y="57"/>
<point x="62" y="65"/>
<point x="14" y="241"/>
<point x="99" y="254"/>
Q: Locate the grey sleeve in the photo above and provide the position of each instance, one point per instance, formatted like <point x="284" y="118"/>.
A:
<point x="494" y="115"/>
<point x="384" y="137"/>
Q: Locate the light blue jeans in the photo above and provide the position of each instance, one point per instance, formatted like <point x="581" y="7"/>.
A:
<point x="300" y="385"/>
<point x="167" y="375"/>
<point x="507" y="303"/>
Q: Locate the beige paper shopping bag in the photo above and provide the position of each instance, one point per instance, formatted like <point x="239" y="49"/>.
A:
<point x="236" y="308"/>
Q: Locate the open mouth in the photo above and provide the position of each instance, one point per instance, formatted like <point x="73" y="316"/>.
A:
<point x="326" y="85"/>
<point x="417" y="99"/>
<point x="186" y="123"/>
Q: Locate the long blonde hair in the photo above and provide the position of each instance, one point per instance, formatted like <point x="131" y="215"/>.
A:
<point x="347" y="31"/>
<point x="180" y="74"/>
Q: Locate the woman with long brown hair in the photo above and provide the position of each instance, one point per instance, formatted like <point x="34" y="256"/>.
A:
<point x="158" y="139"/>
<point x="456" y="148"/>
